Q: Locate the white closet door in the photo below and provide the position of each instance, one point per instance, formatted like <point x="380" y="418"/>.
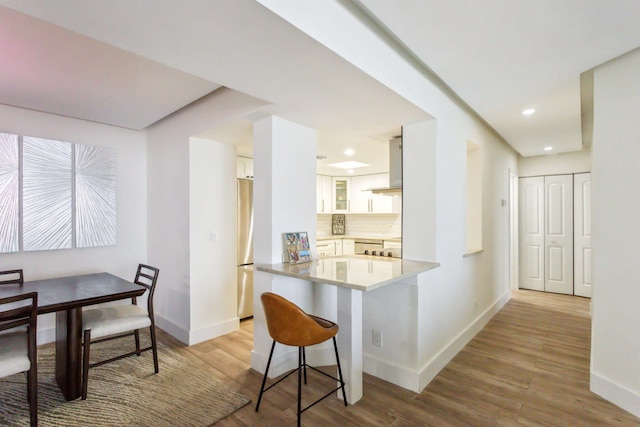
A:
<point x="558" y="234"/>
<point x="582" y="237"/>
<point x="531" y="231"/>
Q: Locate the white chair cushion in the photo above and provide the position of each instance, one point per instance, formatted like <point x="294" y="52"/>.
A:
<point x="14" y="354"/>
<point x="114" y="320"/>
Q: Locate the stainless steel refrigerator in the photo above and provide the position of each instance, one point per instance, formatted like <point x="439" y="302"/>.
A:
<point x="245" y="248"/>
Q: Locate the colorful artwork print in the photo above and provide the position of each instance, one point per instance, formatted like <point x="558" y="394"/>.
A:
<point x="296" y="247"/>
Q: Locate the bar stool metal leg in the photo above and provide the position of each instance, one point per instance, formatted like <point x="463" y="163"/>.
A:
<point x="304" y="362"/>
<point x="300" y="352"/>
<point x="344" y="394"/>
<point x="266" y="371"/>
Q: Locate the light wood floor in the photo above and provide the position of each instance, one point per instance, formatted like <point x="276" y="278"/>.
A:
<point x="528" y="367"/>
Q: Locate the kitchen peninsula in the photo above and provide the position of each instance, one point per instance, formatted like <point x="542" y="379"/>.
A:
<point x="353" y="275"/>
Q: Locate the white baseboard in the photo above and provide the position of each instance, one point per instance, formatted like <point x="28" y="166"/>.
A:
<point x="396" y="374"/>
<point x="213" y="331"/>
<point x="172" y="329"/>
<point x="46" y="335"/>
<point x="417" y="380"/>
<point x="615" y="393"/>
<point x="191" y="337"/>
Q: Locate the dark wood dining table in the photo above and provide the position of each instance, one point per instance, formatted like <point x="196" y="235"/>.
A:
<point x="66" y="296"/>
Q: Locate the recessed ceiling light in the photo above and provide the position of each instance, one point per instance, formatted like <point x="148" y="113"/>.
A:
<point x="528" y="112"/>
<point x="349" y="165"/>
<point x="548" y="148"/>
<point x="349" y="152"/>
<point x="350" y="171"/>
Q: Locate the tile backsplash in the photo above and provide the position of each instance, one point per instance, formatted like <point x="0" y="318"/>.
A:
<point x="364" y="225"/>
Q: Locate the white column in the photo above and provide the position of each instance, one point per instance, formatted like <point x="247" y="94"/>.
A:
<point x="350" y="341"/>
<point x="284" y="197"/>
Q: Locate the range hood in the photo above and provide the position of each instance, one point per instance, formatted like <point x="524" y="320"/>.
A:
<point x="395" y="170"/>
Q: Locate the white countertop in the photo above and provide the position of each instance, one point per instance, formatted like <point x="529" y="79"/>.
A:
<point x="359" y="272"/>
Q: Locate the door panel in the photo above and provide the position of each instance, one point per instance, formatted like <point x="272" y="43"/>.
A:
<point x="531" y="232"/>
<point x="582" y="226"/>
<point x="555" y="206"/>
<point x="556" y="259"/>
<point x="558" y="234"/>
<point x="534" y="262"/>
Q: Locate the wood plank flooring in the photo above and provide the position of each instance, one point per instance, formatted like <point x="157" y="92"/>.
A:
<point x="528" y="367"/>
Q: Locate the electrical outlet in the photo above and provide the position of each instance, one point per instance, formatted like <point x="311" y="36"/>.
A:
<point x="377" y="338"/>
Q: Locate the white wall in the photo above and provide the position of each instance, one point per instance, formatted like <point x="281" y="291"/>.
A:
<point x="131" y="203"/>
<point x="169" y="230"/>
<point x="213" y="239"/>
<point x="615" y="336"/>
<point x="432" y="320"/>
<point x="555" y="164"/>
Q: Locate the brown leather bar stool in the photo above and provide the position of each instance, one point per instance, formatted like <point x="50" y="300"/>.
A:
<point x="289" y="325"/>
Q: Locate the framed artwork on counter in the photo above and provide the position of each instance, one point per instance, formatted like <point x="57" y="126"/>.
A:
<point x="296" y="247"/>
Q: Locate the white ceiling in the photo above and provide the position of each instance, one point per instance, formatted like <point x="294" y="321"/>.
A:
<point x="241" y="45"/>
<point x="503" y="56"/>
<point x="132" y="62"/>
<point x="51" y="69"/>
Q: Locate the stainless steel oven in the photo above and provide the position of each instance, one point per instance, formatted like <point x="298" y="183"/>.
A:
<point x="376" y="247"/>
<point x="368" y="246"/>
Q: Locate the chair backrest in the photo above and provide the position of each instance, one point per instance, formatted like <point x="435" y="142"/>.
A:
<point x="289" y="324"/>
<point x="11" y="277"/>
<point x="16" y="311"/>
<point x="147" y="276"/>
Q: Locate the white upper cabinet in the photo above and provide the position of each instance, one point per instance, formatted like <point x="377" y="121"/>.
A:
<point x="244" y="167"/>
<point x="323" y="194"/>
<point x="341" y="190"/>
<point x="364" y="201"/>
<point x="381" y="203"/>
<point x="361" y="194"/>
<point x="353" y="195"/>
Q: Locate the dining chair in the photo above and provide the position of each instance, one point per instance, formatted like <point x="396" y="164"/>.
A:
<point x="288" y="324"/>
<point x="11" y="277"/>
<point x="18" y="349"/>
<point x="108" y="323"/>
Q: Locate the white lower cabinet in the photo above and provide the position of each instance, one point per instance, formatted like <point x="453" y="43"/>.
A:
<point x="329" y="247"/>
<point x="326" y="248"/>
<point x="348" y="246"/>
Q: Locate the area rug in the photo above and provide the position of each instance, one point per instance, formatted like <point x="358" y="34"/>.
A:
<point x="124" y="393"/>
